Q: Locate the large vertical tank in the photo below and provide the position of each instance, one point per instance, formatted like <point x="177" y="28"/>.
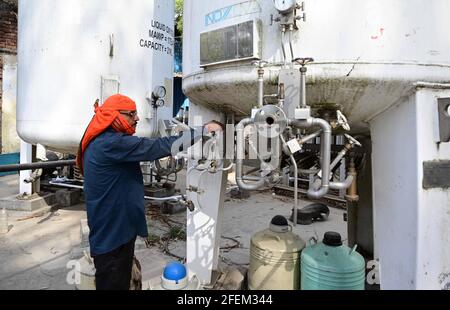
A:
<point x="368" y="53"/>
<point x="73" y="52"/>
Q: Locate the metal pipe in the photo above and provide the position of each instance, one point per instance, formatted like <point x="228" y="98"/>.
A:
<point x="250" y="178"/>
<point x="39" y="165"/>
<point x="281" y="95"/>
<point x="325" y="153"/>
<point x="260" y="88"/>
<point x="294" y="163"/>
<point x="164" y="199"/>
<point x="303" y="71"/>
<point x="352" y="223"/>
<point x="310" y="137"/>
<point x="291" y="179"/>
<point x="154" y="130"/>
<point x="66" y="185"/>
<point x="342" y="185"/>
<point x="338" y="159"/>
<point x="240" y="158"/>
<point x="283" y="34"/>
<point x="227" y="168"/>
<point x="352" y="193"/>
<point x="291" y="30"/>
<point x="349" y="180"/>
<point x="308" y="171"/>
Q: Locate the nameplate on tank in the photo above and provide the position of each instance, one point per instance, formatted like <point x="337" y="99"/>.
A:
<point x="436" y="174"/>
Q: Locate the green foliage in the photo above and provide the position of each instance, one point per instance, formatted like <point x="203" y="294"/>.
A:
<point x="177" y="233"/>
<point x="179" y="15"/>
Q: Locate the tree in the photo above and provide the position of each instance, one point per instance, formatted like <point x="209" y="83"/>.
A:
<point x="179" y="17"/>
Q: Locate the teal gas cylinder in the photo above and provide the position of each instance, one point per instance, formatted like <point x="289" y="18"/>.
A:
<point x="330" y="265"/>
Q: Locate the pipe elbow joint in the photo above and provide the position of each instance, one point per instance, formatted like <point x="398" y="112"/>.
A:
<point x="249" y="187"/>
<point x="312" y="194"/>
<point x="342" y="185"/>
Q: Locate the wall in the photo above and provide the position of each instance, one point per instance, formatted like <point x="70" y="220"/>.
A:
<point x="8" y="48"/>
<point x="10" y="139"/>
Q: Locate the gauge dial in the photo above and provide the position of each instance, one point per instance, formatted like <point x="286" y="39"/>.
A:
<point x="159" y="92"/>
<point x="285" y="6"/>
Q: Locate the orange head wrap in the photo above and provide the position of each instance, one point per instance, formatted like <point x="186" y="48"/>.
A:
<point x="108" y="115"/>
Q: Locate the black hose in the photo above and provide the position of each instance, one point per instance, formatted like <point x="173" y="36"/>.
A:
<point x="39" y="165"/>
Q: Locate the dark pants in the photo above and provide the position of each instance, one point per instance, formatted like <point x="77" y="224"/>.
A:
<point x="113" y="269"/>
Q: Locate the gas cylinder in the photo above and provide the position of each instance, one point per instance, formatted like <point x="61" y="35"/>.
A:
<point x="275" y="258"/>
<point x="330" y="265"/>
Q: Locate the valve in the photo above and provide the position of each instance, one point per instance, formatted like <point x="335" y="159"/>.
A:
<point x="260" y="63"/>
<point x="353" y="142"/>
<point x="342" y="121"/>
<point x="303" y="61"/>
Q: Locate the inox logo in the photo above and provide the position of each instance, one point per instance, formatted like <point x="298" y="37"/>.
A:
<point x="218" y="15"/>
<point x="231" y="11"/>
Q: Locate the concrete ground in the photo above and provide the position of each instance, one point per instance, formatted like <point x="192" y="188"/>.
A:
<point x="35" y="253"/>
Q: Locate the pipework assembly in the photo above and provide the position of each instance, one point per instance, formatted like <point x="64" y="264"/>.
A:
<point x="270" y="122"/>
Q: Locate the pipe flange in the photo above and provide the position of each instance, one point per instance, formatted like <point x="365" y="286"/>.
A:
<point x="270" y="121"/>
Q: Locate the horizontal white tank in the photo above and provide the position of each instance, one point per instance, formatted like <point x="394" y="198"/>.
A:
<point x="368" y="53"/>
<point x="73" y="52"/>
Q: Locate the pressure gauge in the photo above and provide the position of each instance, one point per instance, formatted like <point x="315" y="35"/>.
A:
<point x="285" y="6"/>
<point x="159" y="92"/>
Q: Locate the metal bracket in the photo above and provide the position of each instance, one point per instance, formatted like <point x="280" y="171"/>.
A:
<point x="444" y="119"/>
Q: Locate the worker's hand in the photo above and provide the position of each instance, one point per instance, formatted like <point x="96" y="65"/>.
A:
<point x="213" y="127"/>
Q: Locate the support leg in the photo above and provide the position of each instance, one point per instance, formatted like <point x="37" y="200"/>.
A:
<point x="411" y="221"/>
<point x="207" y="191"/>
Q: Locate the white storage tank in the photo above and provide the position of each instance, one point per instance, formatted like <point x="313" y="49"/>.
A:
<point x="73" y="52"/>
<point x="368" y="53"/>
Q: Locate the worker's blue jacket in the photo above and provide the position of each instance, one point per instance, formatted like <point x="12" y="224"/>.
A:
<point x="114" y="189"/>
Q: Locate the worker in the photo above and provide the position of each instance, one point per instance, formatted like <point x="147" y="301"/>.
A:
<point x="109" y="158"/>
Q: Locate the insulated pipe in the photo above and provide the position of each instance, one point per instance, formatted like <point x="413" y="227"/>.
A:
<point x="325" y="150"/>
<point x="240" y="158"/>
<point x="294" y="163"/>
<point x="39" y="165"/>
